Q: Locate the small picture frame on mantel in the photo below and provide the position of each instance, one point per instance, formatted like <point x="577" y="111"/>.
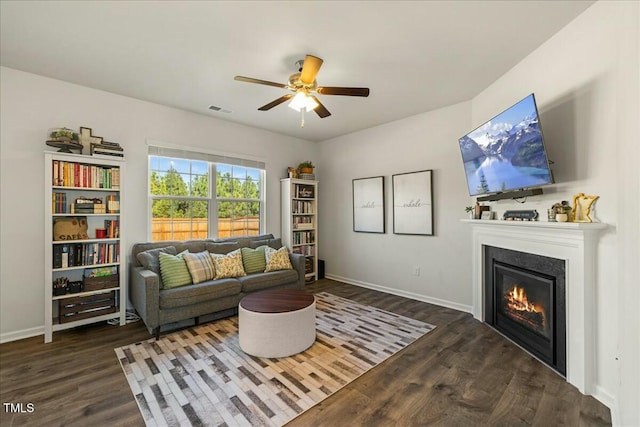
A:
<point x="486" y="215"/>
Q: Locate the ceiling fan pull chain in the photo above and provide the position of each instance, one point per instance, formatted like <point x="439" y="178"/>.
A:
<point x="302" y="110"/>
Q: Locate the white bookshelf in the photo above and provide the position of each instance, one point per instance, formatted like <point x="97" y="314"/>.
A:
<point x="300" y="221"/>
<point x="109" y="251"/>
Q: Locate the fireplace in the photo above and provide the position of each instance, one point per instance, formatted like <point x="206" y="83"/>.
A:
<point x="525" y="301"/>
<point x="572" y="244"/>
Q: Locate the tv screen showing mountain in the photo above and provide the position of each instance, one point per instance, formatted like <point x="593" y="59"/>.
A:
<point x="507" y="152"/>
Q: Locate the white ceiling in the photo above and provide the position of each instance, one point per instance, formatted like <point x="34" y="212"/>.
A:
<point x="414" y="56"/>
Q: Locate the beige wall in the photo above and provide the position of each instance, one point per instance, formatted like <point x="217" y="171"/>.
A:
<point x="32" y="104"/>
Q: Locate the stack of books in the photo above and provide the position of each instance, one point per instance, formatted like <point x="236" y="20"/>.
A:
<point x="107" y="148"/>
<point x="88" y="206"/>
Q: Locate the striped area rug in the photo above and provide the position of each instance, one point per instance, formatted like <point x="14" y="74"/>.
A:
<point x="201" y="377"/>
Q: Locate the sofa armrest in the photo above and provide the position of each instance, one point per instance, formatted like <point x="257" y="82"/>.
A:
<point x="298" y="263"/>
<point x="145" y="295"/>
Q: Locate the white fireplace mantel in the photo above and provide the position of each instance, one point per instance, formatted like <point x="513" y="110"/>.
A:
<point x="576" y="244"/>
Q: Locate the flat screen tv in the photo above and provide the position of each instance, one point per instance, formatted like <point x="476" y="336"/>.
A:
<point x="506" y="153"/>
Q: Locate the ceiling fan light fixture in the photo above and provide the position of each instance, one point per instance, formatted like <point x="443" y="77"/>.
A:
<point x="301" y="100"/>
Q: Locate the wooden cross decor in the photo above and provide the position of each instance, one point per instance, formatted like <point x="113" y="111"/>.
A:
<point x="86" y="139"/>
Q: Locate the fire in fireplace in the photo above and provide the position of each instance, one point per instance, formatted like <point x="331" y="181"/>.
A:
<point x="525" y="301"/>
<point x="517" y="306"/>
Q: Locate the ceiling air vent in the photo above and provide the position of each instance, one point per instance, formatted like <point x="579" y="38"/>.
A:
<point x="219" y="109"/>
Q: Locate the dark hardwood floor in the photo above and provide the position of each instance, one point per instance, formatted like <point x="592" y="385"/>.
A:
<point x="462" y="373"/>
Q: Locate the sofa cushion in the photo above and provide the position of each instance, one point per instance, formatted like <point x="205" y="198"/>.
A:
<point x="200" y="266"/>
<point x="193" y="294"/>
<point x="229" y="265"/>
<point x="150" y="260"/>
<point x="254" y="260"/>
<point x="193" y="246"/>
<point x="273" y="243"/>
<point x="222" y="248"/>
<point x="277" y="259"/>
<point x="259" y="281"/>
<point x="245" y="242"/>
<point x="174" y="271"/>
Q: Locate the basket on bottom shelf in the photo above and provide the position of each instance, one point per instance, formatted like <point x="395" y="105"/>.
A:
<point x="102" y="282"/>
<point x="78" y="308"/>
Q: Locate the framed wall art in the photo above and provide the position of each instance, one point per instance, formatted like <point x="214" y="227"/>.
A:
<point x="413" y="203"/>
<point x="368" y="205"/>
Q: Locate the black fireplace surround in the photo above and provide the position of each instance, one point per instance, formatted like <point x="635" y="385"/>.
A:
<point x="524" y="299"/>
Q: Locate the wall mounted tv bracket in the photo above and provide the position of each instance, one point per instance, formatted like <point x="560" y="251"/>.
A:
<point x="525" y="215"/>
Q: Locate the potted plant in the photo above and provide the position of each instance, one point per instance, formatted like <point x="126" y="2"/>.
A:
<point x="62" y="134"/>
<point x="306" y="167"/>
<point x="469" y="210"/>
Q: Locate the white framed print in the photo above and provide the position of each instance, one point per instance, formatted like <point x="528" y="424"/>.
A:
<point x="368" y="205"/>
<point x="413" y="203"/>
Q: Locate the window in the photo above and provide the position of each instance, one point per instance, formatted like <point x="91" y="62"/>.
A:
<point x="184" y="204"/>
<point x="238" y="199"/>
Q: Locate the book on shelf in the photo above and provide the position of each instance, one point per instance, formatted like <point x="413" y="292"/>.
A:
<point x="110" y="149"/>
<point x="113" y="228"/>
<point x="107" y="146"/>
<point x="80" y="175"/>
<point x="79" y="254"/>
<point x="111" y="144"/>
<point x="113" y="203"/>
<point x="88" y="206"/>
<point x="107" y="153"/>
<point x="59" y="202"/>
<point x="303" y="222"/>
<point x="306" y="250"/>
<point x="97" y="208"/>
<point x="303" y="237"/>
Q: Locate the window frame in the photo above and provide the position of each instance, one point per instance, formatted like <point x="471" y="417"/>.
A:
<point x="212" y="200"/>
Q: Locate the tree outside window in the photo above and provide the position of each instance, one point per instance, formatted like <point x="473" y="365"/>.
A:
<point x="181" y="199"/>
<point x="238" y="195"/>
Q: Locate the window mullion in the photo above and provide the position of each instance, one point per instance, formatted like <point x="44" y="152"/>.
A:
<point x="213" y="211"/>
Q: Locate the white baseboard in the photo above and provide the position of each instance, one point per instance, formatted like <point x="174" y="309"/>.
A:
<point x="401" y="293"/>
<point x="20" y="335"/>
<point x="608" y="400"/>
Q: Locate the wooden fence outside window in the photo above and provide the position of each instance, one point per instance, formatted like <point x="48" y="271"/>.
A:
<point x="197" y="228"/>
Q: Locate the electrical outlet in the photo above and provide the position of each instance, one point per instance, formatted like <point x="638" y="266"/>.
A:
<point x="416" y="270"/>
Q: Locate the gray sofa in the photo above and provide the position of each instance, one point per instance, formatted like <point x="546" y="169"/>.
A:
<point x="157" y="306"/>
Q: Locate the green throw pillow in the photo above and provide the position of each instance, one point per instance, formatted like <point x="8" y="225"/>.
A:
<point x="254" y="260"/>
<point x="174" y="270"/>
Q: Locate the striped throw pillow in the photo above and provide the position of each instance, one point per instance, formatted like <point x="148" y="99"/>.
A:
<point x="174" y="270"/>
<point x="254" y="260"/>
<point x="200" y="266"/>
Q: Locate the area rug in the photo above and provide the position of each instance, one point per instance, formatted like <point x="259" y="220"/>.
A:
<point x="201" y="377"/>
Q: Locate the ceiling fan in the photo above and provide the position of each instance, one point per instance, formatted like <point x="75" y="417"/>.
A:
<point x="303" y="84"/>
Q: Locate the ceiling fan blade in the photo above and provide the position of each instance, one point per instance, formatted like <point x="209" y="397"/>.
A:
<point x="260" y="82"/>
<point x="320" y="110"/>
<point x="275" y="103"/>
<point x="310" y="68"/>
<point x="348" y="91"/>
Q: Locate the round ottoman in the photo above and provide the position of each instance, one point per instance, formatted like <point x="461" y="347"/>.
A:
<point x="277" y="323"/>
